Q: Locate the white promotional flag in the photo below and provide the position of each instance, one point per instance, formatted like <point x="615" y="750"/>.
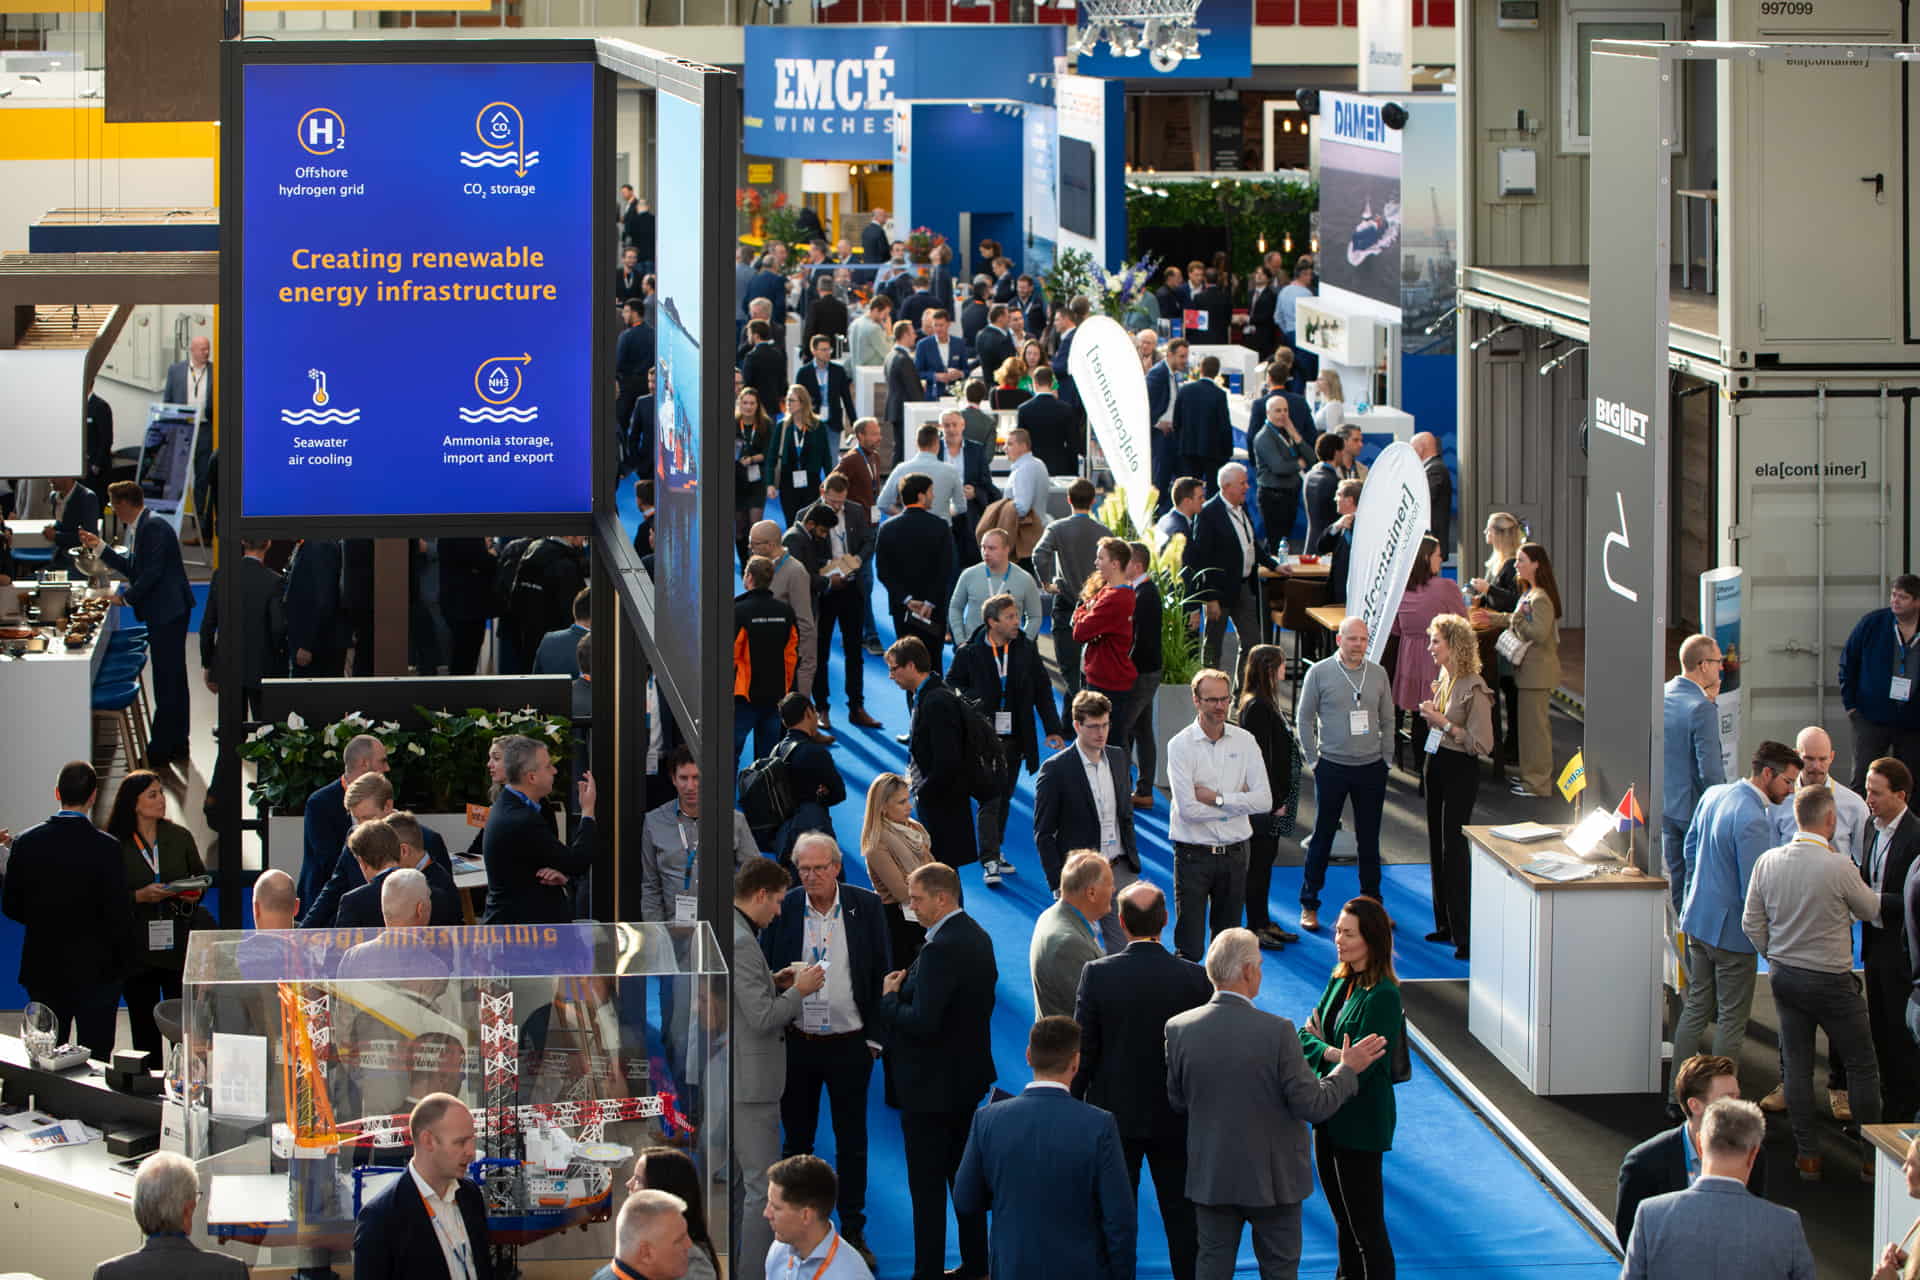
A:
<point x="1105" y="366"/>
<point x="1387" y="529"/>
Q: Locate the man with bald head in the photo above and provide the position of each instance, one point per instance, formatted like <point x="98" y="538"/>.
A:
<point x="275" y="904"/>
<point x="1122" y="1006"/>
<point x="1439" y="487"/>
<point x="793" y="586"/>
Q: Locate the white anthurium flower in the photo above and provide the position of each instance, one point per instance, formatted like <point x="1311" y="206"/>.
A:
<point x="390" y="726"/>
<point x="295" y="722"/>
<point x="263" y="731"/>
<point x="484" y="722"/>
<point x="414" y="748"/>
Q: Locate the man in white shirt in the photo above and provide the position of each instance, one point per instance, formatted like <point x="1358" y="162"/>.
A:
<point x="1801" y="904"/>
<point x="800" y="1196"/>
<point x="1027" y="482"/>
<point x="949" y="492"/>
<point x="1816" y="770"/>
<point x="995" y="573"/>
<point x="1218" y="779"/>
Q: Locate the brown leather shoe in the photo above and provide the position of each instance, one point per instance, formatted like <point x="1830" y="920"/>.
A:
<point x="859" y="719"/>
<point x="1143" y="802"/>
<point x="1808" y="1168"/>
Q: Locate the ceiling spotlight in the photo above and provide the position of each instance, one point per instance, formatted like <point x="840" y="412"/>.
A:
<point x="1393" y="115"/>
<point x="1156" y="33"/>
<point x="1125" y="41"/>
<point x="1086" y="39"/>
<point x="1189" y="43"/>
<point x="1559" y="360"/>
<point x="1164" y="58"/>
<point x="1489" y="336"/>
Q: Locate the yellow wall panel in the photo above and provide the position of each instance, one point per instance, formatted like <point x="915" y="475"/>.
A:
<point x="77" y="133"/>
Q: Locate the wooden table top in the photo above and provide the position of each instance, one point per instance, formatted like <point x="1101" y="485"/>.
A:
<point x="1329" y="616"/>
<point x="1310" y="572"/>
<point x="1893" y="1139"/>
<point x="1517" y="856"/>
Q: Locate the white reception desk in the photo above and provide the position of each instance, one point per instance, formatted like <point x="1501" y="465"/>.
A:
<point x="48" y="701"/>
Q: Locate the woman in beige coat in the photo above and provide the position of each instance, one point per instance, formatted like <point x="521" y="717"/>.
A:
<point x="1535" y="621"/>
<point x="894" y="845"/>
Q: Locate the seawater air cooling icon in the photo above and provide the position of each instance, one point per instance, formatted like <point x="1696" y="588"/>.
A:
<point x="504" y="135"/>
<point x="320" y="413"/>
<point x="499" y="380"/>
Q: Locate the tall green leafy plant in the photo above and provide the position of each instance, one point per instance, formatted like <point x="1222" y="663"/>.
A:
<point x="1179" y="616"/>
<point x="1272" y="211"/>
<point x="1070" y="276"/>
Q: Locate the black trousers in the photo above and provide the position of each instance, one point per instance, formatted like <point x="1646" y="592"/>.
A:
<point x="1872" y="741"/>
<point x="87" y="1012"/>
<point x="1137" y="731"/>
<point x="146" y="988"/>
<point x="1261" y="851"/>
<point x="1893" y="1047"/>
<point x="1204" y="467"/>
<point x="1453" y="783"/>
<point x="222" y="770"/>
<point x="1351" y="1180"/>
<point x="1167" y="1155"/>
<point x="1066" y="652"/>
<point x="469" y="637"/>
<point x="905" y="935"/>
<point x="843" y="1067"/>
<point x="935" y="1141"/>
<point x="840" y="607"/>
<point x="966" y="546"/>
<point x="1279" y="508"/>
<point x="167" y="651"/>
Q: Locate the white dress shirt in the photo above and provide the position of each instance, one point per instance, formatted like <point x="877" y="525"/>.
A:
<point x="1100" y="780"/>
<point x="1881" y="838"/>
<point x="449" y="1228"/>
<point x="1231" y="765"/>
<point x="830" y="1010"/>
<point x="1852" y="812"/>
<point x="831" y="1259"/>
<point x="1243" y="527"/>
<point x="1028" y="483"/>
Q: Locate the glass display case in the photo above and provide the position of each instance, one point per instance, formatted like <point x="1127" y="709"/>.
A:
<point x="577" y="1046"/>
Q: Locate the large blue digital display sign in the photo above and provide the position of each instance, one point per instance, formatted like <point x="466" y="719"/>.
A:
<point x="417" y="289"/>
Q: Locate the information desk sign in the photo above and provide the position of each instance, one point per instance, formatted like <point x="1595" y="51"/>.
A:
<point x="416" y="259"/>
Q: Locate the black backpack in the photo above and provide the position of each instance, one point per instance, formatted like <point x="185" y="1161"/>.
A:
<point x="988" y="774"/>
<point x="765" y="790"/>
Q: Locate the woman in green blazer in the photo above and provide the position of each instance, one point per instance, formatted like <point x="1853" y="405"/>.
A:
<point x="155" y="853"/>
<point x="1362" y="998"/>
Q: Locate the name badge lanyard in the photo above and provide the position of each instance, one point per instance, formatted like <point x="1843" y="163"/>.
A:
<point x="1353" y="686"/>
<point x="691" y="852"/>
<point x="1091" y="933"/>
<point x="823" y="930"/>
<point x="150" y="854"/>
<point x="793" y="1264"/>
<point x="459" y="1251"/>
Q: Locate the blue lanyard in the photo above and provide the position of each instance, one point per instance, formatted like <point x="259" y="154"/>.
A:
<point x="1083" y="920"/>
<point x="692" y="852"/>
<point x="521" y="796"/>
<point x="71" y="813"/>
<point x="821" y="949"/>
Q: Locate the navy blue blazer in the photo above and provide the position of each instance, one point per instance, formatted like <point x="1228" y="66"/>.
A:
<point x="869" y="953"/>
<point x="976" y="469"/>
<point x="1049" y="1169"/>
<point x="323" y="909"/>
<point x="1297" y="413"/>
<point x="313" y="600"/>
<point x="360" y="908"/>
<point x="81" y="511"/>
<point x="1213" y="559"/>
<point x="517" y="842"/>
<point x="394" y="1238"/>
<point x="1202" y="426"/>
<point x="1159" y="392"/>
<point x="66" y="883"/>
<point x="939" y="1024"/>
<point x="926" y="359"/>
<point x="1064" y="818"/>
<point x="327" y="824"/>
<point x="1122" y="1007"/>
<point x="1657" y="1166"/>
<point x="156" y="575"/>
<point x="1062" y="371"/>
<point x="559" y="652"/>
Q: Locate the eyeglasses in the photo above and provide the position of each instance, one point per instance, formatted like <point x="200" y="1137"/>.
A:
<point x="1215" y="702"/>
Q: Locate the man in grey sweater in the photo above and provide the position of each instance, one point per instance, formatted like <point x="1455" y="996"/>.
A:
<point x="1346" y="730"/>
<point x="1801" y="904"/>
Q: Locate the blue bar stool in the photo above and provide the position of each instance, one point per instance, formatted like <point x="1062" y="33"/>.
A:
<point x="117" y="702"/>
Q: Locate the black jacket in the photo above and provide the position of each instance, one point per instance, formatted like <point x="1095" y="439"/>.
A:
<point x="994" y="347"/>
<point x="1123" y="1007"/>
<point x="67" y="884"/>
<point x="1055" y="429"/>
<point x="80" y="511"/>
<point x="360" y="908"/>
<point x="811" y="770"/>
<point x="764" y="368"/>
<point x="1336" y="544"/>
<point x="869" y="953"/>
<point x="1212" y="299"/>
<point x="393" y="1239"/>
<point x="466" y="579"/>
<point x="1064" y="817"/>
<point x="873" y="243"/>
<point x="1657" y="1166"/>
<point x="976" y="675"/>
<point x="904" y="386"/>
<point x="973" y="318"/>
<point x="837" y="410"/>
<point x="1439" y="499"/>
<point x="913" y="557"/>
<point x="1148" y="643"/>
<point x="939" y="1023"/>
<point x="976" y="469"/>
<point x="825" y="314"/>
<point x="1883" y="947"/>
<point x="765" y="647"/>
<point x="313" y="600"/>
<point x="1281" y="752"/>
<point x="156" y="576"/>
<point x="1321" y="485"/>
<point x="1202" y="424"/>
<point x="1503" y="593"/>
<point x="261" y="626"/>
<point x="516" y="843"/>
<point x="1213" y="559"/>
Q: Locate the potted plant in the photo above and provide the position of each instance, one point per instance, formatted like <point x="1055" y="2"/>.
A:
<point x="1070" y="276"/>
<point x="921" y="242"/>
<point x="1127" y="294"/>
<point x="1179" y="620"/>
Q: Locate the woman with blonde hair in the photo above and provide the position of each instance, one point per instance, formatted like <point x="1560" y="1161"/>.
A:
<point x="802" y="455"/>
<point x="1331" y="414"/>
<point x="1500" y="592"/>
<point x="1534" y="654"/>
<point x="894" y="846"/>
<point x="1011" y="389"/>
<point x="1459" y="719"/>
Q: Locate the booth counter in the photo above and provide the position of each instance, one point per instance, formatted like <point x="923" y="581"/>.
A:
<point x="48" y="696"/>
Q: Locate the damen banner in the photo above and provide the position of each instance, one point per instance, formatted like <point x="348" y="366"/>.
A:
<point x="1387" y="529"/>
<point x="1105" y="367"/>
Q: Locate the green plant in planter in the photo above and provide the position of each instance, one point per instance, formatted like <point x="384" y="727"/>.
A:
<point x="1070" y="276"/>
<point x="1277" y="212"/>
<point x="1179" y="636"/>
<point x="451" y="749"/>
<point x="293" y="759"/>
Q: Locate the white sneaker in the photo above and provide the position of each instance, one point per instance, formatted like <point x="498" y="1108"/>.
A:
<point x="1007" y="868"/>
<point x="990" y="872"/>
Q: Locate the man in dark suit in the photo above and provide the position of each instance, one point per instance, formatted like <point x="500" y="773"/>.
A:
<point x="843" y="601"/>
<point x="993" y="344"/>
<point x="913" y="557"/>
<point x="1162" y="381"/>
<point x="260" y="630"/>
<point x="1122" y="1007"/>
<point x="1202" y="427"/>
<point x="1888" y="848"/>
<point x="413" y="847"/>
<point x="327" y="820"/>
<point x="558" y="654"/>
<point x="1279" y="374"/>
<point x="1212" y="302"/>
<point x="975" y="463"/>
<point x="764" y="367"/>
<point x="1066" y="321"/>
<point x="770" y="282"/>
<point x="974" y="313"/>
<point x="626" y="281"/>
<point x="1069" y="815"/>
<point x="1050" y="1169"/>
<point x="826" y="316"/>
<point x="99" y="455"/>
<point x="1031" y="304"/>
<point x="1670" y="1160"/>
<point x="190" y="382"/>
<point x="1224" y="563"/>
<point x="166" y="1191"/>
<point x="315" y="646"/>
<point x="66" y="886"/>
<point x="527" y="866"/>
<point x="942" y="357"/>
<point x="1239" y="1076"/>
<point x="1439" y="487"/>
<point x="873" y="238"/>
<point x="432" y="1222"/>
<point x="1052" y="425"/>
<point x="829" y="385"/>
<point x="918" y="301"/>
<point x="904" y="385"/>
<point x="935" y="762"/>
<point x="633" y="356"/>
<point x="1336" y="540"/>
<point x="1321" y="486"/>
<point x="158" y="593"/>
<point x="937" y="1016"/>
<point x="76" y="507"/>
<point x="834" y="1043"/>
